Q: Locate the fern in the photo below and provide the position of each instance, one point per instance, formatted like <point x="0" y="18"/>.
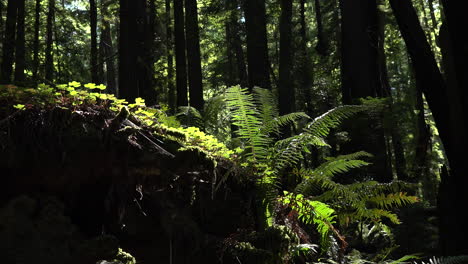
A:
<point x="359" y="201"/>
<point x="313" y="212"/>
<point x="447" y="260"/>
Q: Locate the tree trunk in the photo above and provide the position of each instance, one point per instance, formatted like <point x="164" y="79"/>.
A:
<point x="257" y="44"/>
<point x="108" y="49"/>
<point x="9" y="42"/>
<point x="49" y="57"/>
<point x="447" y="108"/>
<point x="147" y="13"/>
<point x="181" y="64"/>
<point x="322" y="46"/>
<point x="361" y="77"/>
<point x="128" y="83"/>
<point x="171" y="91"/>
<point x="94" y="45"/>
<point x="37" y="24"/>
<point x="20" y="60"/>
<point x="193" y="55"/>
<point x="286" y="89"/>
<point x="235" y="44"/>
<point x="1" y="20"/>
<point x="306" y="63"/>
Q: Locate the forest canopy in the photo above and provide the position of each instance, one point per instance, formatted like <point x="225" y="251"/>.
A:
<point x="249" y="131"/>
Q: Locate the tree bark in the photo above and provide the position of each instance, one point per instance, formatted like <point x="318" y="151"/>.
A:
<point x="286" y="89"/>
<point x="257" y="44"/>
<point x="193" y="55"/>
<point x="20" y="60"/>
<point x="106" y="39"/>
<point x="361" y="78"/>
<point x="322" y="47"/>
<point x="9" y="42"/>
<point x="235" y="44"/>
<point x="448" y="110"/>
<point x="94" y="44"/>
<point x="306" y="63"/>
<point x="171" y="90"/>
<point x="181" y="64"/>
<point x="37" y="24"/>
<point x="128" y="81"/>
<point x="49" y="57"/>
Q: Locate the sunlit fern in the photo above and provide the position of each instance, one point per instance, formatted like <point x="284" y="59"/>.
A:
<point x="214" y="119"/>
<point x="446" y="260"/>
<point x="360" y="201"/>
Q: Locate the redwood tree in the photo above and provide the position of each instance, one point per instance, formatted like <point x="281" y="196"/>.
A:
<point x="181" y="64"/>
<point x="9" y="42"/>
<point x="257" y="44"/>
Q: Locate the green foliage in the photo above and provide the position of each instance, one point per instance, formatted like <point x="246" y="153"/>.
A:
<point x="312" y="212"/>
<point x="446" y="260"/>
<point x="360" y="201"/>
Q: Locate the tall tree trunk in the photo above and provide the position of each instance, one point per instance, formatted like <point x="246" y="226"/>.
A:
<point x="181" y="64"/>
<point x="306" y="63"/>
<point x="171" y="91"/>
<point x="20" y="62"/>
<point x="147" y="56"/>
<point x="49" y="57"/>
<point x="94" y="44"/>
<point x="235" y="44"/>
<point x="322" y="46"/>
<point x="359" y="29"/>
<point x="286" y="89"/>
<point x="9" y="42"/>
<point x="128" y="81"/>
<point x="385" y="91"/>
<point x="109" y="57"/>
<point x="193" y="55"/>
<point x="447" y="108"/>
<point x="37" y="25"/>
<point x="231" y="75"/>
<point x="257" y="44"/>
<point x="108" y="49"/>
<point x="1" y="20"/>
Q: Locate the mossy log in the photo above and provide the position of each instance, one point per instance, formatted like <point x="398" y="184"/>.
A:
<point x="114" y="176"/>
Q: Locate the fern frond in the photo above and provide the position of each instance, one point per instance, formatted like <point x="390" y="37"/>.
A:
<point x="321" y="126"/>
<point x="392" y="200"/>
<point x="190" y="117"/>
<point x="246" y="117"/>
<point x="463" y="259"/>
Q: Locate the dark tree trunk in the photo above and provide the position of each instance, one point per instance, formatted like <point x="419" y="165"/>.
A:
<point x="193" y="55"/>
<point x="181" y="64"/>
<point x="1" y="20"/>
<point x="322" y="46"/>
<point x="49" y="57"/>
<point x="20" y="60"/>
<point x="9" y="42"/>
<point x="385" y="91"/>
<point x="230" y="78"/>
<point x="133" y="64"/>
<point x="361" y="77"/>
<point x="286" y="89"/>
<point x="147" y="56"/>
<point x="94" y="44"/>
<point x="37" y="24"/>
<point x="257" y="44"/>
<point x="171" y="91"/>
<point x="128" y="88"/>
<point x="235" y="45"/>
<point x="447" y="106"/>
<point x="306" y="63"/>
<point x="109" y="57"/>
<point x="108" y="49"/>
